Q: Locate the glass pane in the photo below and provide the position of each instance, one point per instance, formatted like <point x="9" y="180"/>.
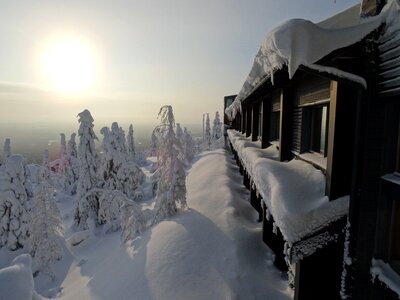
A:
<point x="323" y="128"/>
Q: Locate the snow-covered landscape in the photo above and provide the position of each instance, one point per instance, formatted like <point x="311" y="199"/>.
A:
<point x="107" y="192"/>
<point x="204" y="244"/>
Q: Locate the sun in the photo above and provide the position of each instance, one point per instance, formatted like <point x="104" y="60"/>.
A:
<point x="69" y="65"/>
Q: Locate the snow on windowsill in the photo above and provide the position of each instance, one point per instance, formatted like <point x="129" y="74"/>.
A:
<point x="314" y="158"/>
<point x="384" y="273"/>
<point x="294" y="191"/>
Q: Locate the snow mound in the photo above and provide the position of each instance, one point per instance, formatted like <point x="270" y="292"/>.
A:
<point x="212" y="251"/>
<point x="16" y="281"/>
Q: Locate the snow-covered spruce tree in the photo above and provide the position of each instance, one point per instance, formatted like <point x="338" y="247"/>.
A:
<point x="7" y="149"/>
<point x="179" y="133"/>
<point x="63" y="154"/>
<point x="207" y="134"/>
<point x="14" y="217"/>
<point x="46" y="229"/>
<point x="130" y="145"/>
<point x="118" y="174"/>
<point x="109" y="162"/>
<point x="189" y="147"/>
<point x="132" y="220"/>
<point x="217" y="127"/>
<point x="87" y="203"/>
<point x="153" y="149"/>
<point x="171" y="189"/>
<point x="72" y="169"/>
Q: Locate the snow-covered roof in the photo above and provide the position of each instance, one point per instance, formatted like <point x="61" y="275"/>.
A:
<point x="294" y="192"/>
<point x="301" y="42"/>
<point x="348" y="17"/>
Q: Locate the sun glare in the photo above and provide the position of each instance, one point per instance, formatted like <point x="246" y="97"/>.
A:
<point x="69" y="65"/>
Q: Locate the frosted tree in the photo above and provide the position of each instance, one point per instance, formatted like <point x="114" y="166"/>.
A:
<point x="153" y="144"/>
<point x="7" y="149"/>
<point x="112" y="159"/>
<point x="179" y="133"/>
<point x="87" y="203"/>
<point x="63" y="154"/>
<point x="132" y="220"/>
<point x="217" y="127"/>
<point x="14" y="217"/>
<point x="130" y="145"/>
<point x="171" y="189"/>
<point x="72" y="169"/>
<point x="118" y="174"/>
<point x="46" y="229"/>
<point x="207" y="134"/>
<point x="189" y="147"/>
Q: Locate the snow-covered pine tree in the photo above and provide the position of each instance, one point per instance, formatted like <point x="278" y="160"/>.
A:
<point x="130" y="145"/>
<point x="72" y="171"/>
<point x="132" y="220"/>
<point x="46" y="229"/>
<point x="179" y="133"/>
<point x="189" y="147"/>
<point x="63" y="154"/>
<point x="7" y="149"/>
<point x="87" y="205"/>
<point x="171" y="179"/>
<point x="111" y="160"/>
<point x="207" y="135"/>
<point x="217" y="127"/>
<point x="14" y="217"/>
<point x="153" y="149"/>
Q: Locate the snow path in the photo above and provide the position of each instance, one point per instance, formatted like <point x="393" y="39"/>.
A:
<point x="212" y="251"/>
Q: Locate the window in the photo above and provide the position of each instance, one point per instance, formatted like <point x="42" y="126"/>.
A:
<point x="319" y="129"/>
<point x="260" y="121"/>
<point x="315" y="123"/>
<point x="274" y="125"/>
<point x="275" y="116"/>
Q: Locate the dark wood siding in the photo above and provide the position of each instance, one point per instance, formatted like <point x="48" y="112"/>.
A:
<point x="389" y="66"/>
<point x="276" y="101"/>
<point x="296" y="137"/>
<point x="312" y="89"/>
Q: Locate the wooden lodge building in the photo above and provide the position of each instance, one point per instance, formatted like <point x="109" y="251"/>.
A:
<point x="343" y="118"/>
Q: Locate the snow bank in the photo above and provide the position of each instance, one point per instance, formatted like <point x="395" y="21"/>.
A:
<point x="77" y="238"/>
<point x="16" y="281"/>
<point x="301" y="42"/>
<point x="383" y="272"/>
<point x="212" y="251"/>
<point x="294" y="191"/>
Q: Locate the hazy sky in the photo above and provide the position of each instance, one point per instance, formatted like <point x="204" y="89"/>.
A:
<point x="144" y="54"/>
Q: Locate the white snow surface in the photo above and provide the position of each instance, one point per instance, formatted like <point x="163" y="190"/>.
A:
<point x="16" y="281"/>
<point x="382" y="271"/>
<point x="293" y="191"/>
<point x="211" y="251"/>
<point x="302" y="42"/>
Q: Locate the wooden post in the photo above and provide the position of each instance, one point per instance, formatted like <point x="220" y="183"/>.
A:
<point x="248" y="121"/>
<point x="265" y="123"/>
<point x="255" y="120"/>
<point x="341" y="136"/>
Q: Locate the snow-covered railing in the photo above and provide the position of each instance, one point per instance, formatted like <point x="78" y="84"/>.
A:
<point x="294" y="192"/>
<point x="384" y="273"/>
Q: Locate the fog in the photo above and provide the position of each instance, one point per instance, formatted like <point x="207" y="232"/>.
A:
<point x="32" y="138"/>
